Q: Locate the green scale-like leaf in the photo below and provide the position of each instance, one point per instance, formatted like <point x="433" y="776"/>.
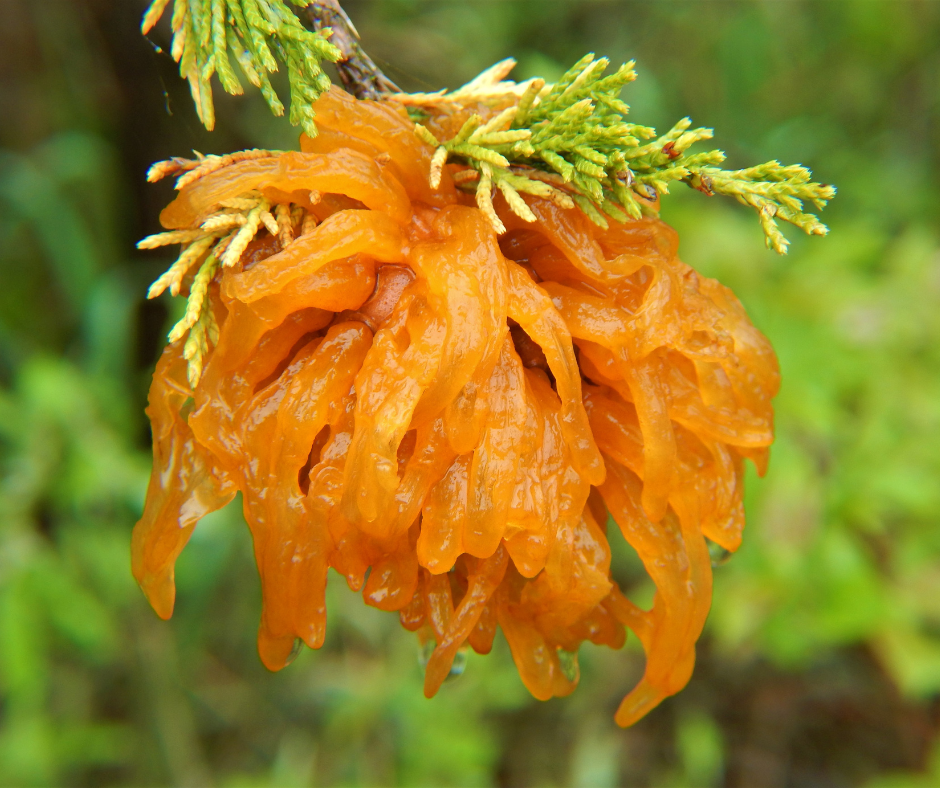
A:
<point x="577" y="129"/>
<point x="256" y="33"/>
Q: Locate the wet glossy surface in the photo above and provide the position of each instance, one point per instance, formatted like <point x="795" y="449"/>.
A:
<point x="399" y="389"/>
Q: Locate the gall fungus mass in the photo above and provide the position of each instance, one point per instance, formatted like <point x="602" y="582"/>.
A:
<point x="456" y="421"/>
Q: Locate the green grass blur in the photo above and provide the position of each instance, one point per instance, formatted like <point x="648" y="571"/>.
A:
<point x="821" y="661"/>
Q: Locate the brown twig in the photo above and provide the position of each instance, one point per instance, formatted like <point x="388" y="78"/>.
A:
<point x="359" y="75"/>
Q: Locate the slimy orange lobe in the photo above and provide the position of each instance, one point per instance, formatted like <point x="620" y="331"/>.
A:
<point x="400" y="390"/>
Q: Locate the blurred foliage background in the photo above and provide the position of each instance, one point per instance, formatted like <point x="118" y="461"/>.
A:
<point x="821" y="662"/>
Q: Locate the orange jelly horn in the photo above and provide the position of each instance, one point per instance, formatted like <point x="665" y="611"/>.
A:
<point x="448" y="417"/>
<point x="185" y="485"/>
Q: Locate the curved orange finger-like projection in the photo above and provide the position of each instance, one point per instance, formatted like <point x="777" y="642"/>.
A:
<point x="450" y="418"/>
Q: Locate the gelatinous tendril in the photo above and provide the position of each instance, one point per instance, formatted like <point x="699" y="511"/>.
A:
<point x="447" y="417"/>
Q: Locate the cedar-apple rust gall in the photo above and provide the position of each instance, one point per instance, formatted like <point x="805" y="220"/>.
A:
<point x="459" y="422"/>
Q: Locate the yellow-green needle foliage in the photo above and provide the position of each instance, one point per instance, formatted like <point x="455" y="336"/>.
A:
<point x="571" y="141"/>
<point x="257" y="34"/>
<point x="218" y="241"/>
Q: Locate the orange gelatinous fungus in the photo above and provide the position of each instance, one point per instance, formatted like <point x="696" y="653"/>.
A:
<point x="447" y="416"/>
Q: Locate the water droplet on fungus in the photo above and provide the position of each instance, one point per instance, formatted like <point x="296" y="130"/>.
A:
<point x="460" y="664"/>
<point x="569" y="665"/>
<point x="425" y="650"/>
<point x="718" y="554"/>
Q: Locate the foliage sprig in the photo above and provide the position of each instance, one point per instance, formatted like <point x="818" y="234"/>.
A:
<point x="571" y="142"/>
<point x="217" y="242"/>
<point x="257" y="34"/>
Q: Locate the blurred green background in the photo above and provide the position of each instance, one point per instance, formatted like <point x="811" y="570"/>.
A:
<point x="821" y="661"/>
